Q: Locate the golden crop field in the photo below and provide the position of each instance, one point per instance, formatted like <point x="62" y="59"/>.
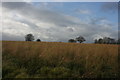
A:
<point x="58" y="60"/>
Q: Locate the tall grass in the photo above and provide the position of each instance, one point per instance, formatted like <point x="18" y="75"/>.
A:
<point x="59" y="60"/>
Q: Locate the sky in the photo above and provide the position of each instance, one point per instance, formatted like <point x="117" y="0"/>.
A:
<point x="59" y="21"/>
<point x="60" y="0"/>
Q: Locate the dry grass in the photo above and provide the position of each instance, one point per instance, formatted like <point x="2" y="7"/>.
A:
<point x="73" y="59"/>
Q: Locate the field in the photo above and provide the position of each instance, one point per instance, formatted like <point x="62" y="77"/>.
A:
<point x="58" y="60"/>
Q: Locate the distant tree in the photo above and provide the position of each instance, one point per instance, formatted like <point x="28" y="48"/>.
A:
<point x="29" y="37"/>
<point x="80" y="39"/>
<point x="100" y="41"/>
<point x="112" y="41"/>
<point x="108" y="40"/>
<point x="118" y="41"/>
<point x="72" y="40"/>
<point x="96" y="41"/>
<point x="38" y="40"/>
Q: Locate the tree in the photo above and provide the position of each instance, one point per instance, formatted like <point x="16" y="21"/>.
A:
<point x="96" y="41"/>
<point x="112" y="41"/>
<point x="72" y="40"/>
<point x="118" y="41"/>
<point x="29" y="37"/>
<point x="108" y="40"/>
<point x="100" y="41"/>
<point x="80" y="39"/>
<point x="38" y="40"/>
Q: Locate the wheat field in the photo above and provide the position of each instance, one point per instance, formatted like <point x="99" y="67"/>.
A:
<point x="58" y="60"/>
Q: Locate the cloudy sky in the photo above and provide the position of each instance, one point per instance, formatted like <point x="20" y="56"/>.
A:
<point x="59" y="21"/>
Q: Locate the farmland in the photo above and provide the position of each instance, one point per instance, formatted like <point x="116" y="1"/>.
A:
<point x="58" y="60"/>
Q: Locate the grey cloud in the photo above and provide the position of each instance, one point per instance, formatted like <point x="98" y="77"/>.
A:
<point x="70" y="29"/>
<point x="83" y="11"/>
<point x="47" y="16"/>
<point x="96" y="20"/>
<point x="30" y="24"/>
<point x="15" y="5"/>
<point x="119" y="34"/>
<point x="11" y="37"/>
<point x="109" y="6"/>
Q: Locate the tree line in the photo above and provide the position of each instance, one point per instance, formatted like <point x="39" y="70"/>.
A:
<point x="80" y="39"/>
<point x="107" y="40"/>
